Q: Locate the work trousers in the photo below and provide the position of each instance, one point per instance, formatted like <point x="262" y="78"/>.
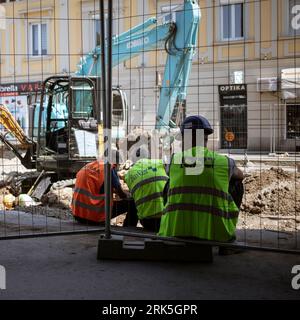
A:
<point x="119" y="207"/>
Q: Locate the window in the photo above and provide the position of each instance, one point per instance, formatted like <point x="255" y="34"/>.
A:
<point x="294" y="17"/>
<point x="97" y="28"/>
<point x="39" y="40"/>
<point x="2" y="17"/>
<point x="232" y="21"/>
<point x="82" y="100"/>
<point x="97" y="32"/>
<point x="169" y="13"/>
<point x="234" y="119"/>
<point x="237" y="77"/>
<point x="293" y="121"/>
<point x="117" y="112"/>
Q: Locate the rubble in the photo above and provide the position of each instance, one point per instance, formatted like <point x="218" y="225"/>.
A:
<point x="272" y="192"/>
<point x="24" y="200"/>
<point x="271" y="200"/>
<point x="59" y="198"/>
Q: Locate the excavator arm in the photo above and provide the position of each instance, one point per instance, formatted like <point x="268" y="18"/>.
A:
<point x="13" y="127"/>
<point x="179" y="38"/>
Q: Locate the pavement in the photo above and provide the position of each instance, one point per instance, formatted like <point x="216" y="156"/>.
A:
<point x="270" y="159"/>
<point x="65" y="267"/>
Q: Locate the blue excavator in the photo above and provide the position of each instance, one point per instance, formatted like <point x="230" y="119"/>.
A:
<point x="64" y="124"/>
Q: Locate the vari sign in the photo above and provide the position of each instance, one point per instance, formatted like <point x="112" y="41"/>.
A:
<point x="16" y="89"/>
<point x="295" y="22"/>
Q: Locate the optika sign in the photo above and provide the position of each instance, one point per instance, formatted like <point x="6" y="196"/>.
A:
<point x="137" y="43"/>
<point x="232" y="88"/>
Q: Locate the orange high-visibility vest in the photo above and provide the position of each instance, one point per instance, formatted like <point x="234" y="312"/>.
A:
<point x="87" y="201"/>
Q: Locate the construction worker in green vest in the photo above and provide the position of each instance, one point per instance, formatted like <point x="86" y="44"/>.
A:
<point x="146" y="180"/>
<point x="199" y="202"/>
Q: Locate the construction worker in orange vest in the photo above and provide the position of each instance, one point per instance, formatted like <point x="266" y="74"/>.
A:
<point x="88" y="196"/>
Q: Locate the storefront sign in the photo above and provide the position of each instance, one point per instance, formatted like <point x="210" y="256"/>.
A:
<point x="233" y="94"/>
<point x="17" y="89"/>
<point x="233" y="89"/>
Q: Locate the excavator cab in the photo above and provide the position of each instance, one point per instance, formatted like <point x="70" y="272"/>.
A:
<point x="69" y="115"/>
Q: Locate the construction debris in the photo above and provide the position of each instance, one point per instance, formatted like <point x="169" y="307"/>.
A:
<point x="271" y="200"/>
<point x="59" y="198"/>
<point x="24" y="200"/>
<point x="271" y="192"/>
<point x="9" y="201"/>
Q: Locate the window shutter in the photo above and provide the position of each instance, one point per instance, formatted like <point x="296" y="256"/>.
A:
<point x="44" y="38"/>
<point x="35" y="40"/>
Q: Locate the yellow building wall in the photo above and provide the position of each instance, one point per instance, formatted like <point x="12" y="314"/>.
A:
<point x="75" y="38"/>
<point x="287" y="46"/>
<point x="131" y="19"/>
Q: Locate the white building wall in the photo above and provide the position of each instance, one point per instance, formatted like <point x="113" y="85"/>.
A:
<point x="203" y="98"/>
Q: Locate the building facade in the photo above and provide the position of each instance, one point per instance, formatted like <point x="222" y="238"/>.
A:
<point x="245" y="77"/>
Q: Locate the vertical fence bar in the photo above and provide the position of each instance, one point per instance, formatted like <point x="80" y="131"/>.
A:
<point x="107" y="116"/>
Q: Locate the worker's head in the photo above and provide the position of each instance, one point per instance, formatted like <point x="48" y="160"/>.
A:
<point x="195" y="123"/>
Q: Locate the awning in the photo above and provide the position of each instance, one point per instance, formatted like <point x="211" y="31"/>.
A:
<point x="290" y="83"/>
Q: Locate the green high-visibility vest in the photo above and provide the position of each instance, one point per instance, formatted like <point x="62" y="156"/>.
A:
<point x="200" y="205"/>
<point x="146" y="180"/>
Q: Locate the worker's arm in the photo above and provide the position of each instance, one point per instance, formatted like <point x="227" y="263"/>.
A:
<point x="235" y="172"/>
<point x="116" y="184"/>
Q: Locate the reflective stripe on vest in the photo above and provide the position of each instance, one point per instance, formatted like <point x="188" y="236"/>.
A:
<point x="201" y="208"/>
<point x="149" y="198"/>
<point x="87" y="201"/>
<point x="202" y="190"/>
<point x="200" y="205"/>
<point x="146" y="181"/>
<point x="89" y="194"/>
<point x="78" y="203"/>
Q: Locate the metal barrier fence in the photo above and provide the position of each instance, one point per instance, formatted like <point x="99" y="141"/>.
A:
<point x="226" y="64"/>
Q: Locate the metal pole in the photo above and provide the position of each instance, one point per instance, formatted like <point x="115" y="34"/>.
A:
<point x="271" y="130"/>
<point x="274" y="129"/>
<point x="107" y="117"/>
<point x="103" y="55"/>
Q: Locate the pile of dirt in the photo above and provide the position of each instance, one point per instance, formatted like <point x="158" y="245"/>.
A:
<point x="272" y="192"/>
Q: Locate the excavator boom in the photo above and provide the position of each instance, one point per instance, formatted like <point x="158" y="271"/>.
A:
<point x="13" y="127"/>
